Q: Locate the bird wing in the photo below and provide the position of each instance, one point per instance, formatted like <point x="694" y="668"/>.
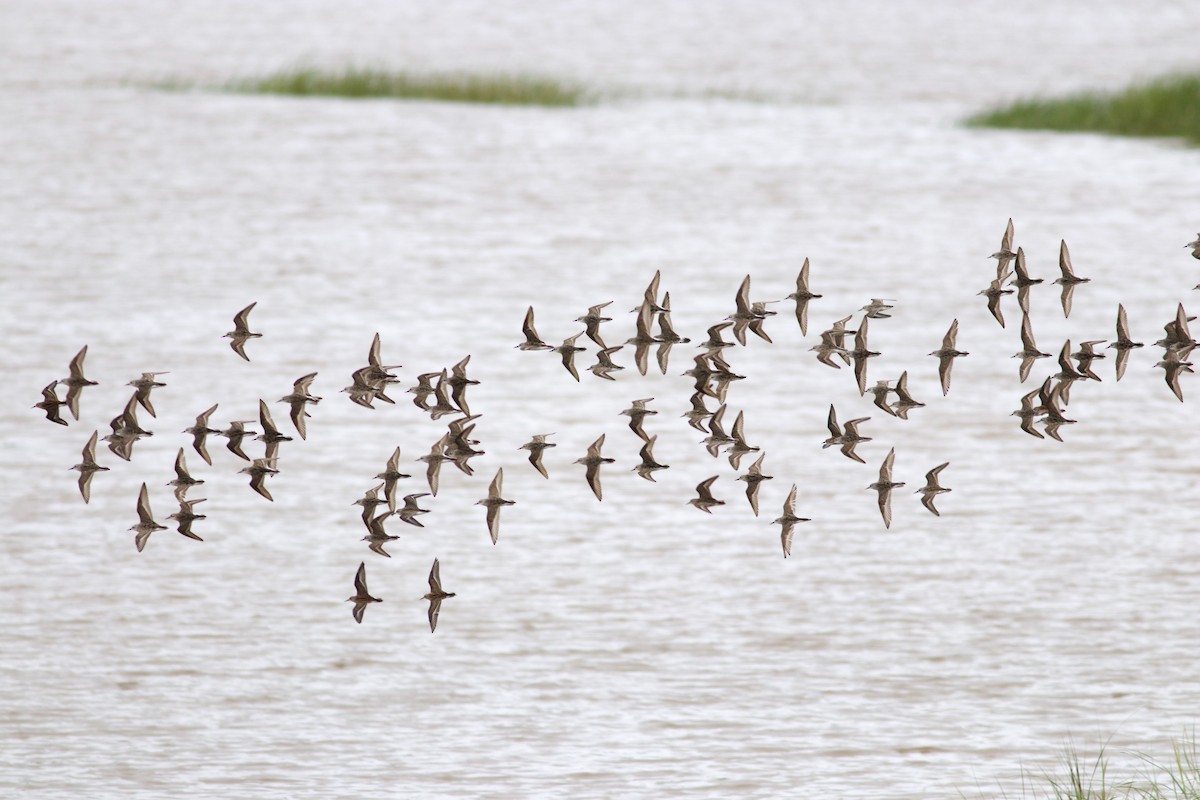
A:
<point x="835" y="430"/>
<point x="948" y="341"/>
<point x="435" y="609"/>
<point x="704" y="488"/>
<point x="743" y="297"/>
<point x="257" y="483"/>
<point x="435" y="578"/>
<point x="241" y="322"/>
<point x="1064" y="260"/>
<point x="143" y="506"/>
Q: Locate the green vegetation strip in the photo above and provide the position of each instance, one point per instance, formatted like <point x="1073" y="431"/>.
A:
<point x="1078" y="778"/>
<point x="1168" y="106"/>
<point x="453" y="87"/>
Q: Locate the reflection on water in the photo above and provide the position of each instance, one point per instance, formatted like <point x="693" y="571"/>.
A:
<point x="632" y="646"/>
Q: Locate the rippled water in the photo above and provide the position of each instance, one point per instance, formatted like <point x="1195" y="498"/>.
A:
<point x="634" y="647"/>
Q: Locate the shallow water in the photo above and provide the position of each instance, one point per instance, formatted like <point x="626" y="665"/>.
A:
<point x="631" y="647"/>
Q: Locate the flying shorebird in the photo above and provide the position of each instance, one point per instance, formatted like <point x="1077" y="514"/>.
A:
<point x="802" y="296"/>
<point x="876" y="308"/>
<point x="241" y="332"/>
<point x="535" y="446"/>
<point x="185" y="517"/>
<point x="436" y="595"/>
<point x="412" y="509"/>
<point x="592" y="461"/>
<point x="604" y="363"/>
<point x="650" y="297"/>
<point x="258" y="471"/>
<point x="837" y="336"/>
<point x="835" y="430"/>
<point x="851" y="438"/>
<point x="1027" y="412"/>
<point x="1005" y="253"/>
<point x="1067" y="374"/>
<point x="270" y="435"/>
<point x="369" y="501"/>
<point x="425" y="387"/>
<point x="704" y="499"/>
<point x="1084" y="357"/>
<point x="75" y="382"/>
<point x="1173" y="364"/>
<point x="788" y="521"/>
<point x="1023" y="281"/>
<point x="714" y="341"/>
<point x="1054" y="418"/>
<point x="1177" y="336"/>
<point x="200" y="432"/>
<point x="390" y="476"/>
<point x="459" y="382"/>
<point x="433" y="462"/>
<point x="946" y="356"/>
<point x="142" y="388"/>
<point x="146" y="524"/>
<point x="642" y="340"/>
<point x="183" y="479"/>
<point x="494" y="502"/>
<point x="905" y="401"/>
<point x="932" y="488"/>
<point x="1069" y="279"/>
<point x="125" y="431"/>
<point x="744" y="314"/>
<point x="377" y="537"/>
<point x="1029" y="349"/>
<point x="591" y="322"/>
<point x="88" y="468"/>
<point x="739" y="447"/>
<point x="667" y="336"/>
<point x="235" y="433"/>
<point x="880" y="392"/>
<point x="360" y="390"/>
<point x="753" y="479"/>
<point x="1123" y="344"/>
<point x="993" y="293"/>
<point x="649" y="465"/>
<point x="1195" y="245"/>
<point x="298" y="399"/>
<point x="377" y="372"/>
<point x="884" y="487"/>
<point x="444" y="403"/>
<point x="532" y="340"/>
<point x="698" y="413"/>
<point x="637" y="413"/>
<point x="827" y="348"/>
<point x="717" y="437"/>
<point x="51" y="404"/>
<point x="361" y="597"/>
<point x="760" y="312"/>
<point x="860" y="354"/>
<point x="568" y="350"/>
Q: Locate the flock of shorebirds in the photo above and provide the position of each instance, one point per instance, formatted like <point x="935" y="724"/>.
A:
<point x="444" y="393"/>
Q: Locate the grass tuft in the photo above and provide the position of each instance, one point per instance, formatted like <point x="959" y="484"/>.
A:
<point x="452" y="87"/>
<point x="1168" y="106"/>
<point x="1080" y="779"/>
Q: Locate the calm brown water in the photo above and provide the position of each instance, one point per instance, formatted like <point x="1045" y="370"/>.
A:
<point x="634" y="647"/>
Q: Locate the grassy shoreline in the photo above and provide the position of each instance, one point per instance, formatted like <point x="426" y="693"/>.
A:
<point x="362" y="83"/>
<point x="1078" y="778"/>
<point x="1164" y="107"/>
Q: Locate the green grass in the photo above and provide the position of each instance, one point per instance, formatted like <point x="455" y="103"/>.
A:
<point x="1090" y="779"/>
<point x="451" y="87"/>
<point x="1168" y="106"/>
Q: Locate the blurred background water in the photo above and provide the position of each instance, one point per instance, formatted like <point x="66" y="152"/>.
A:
<point x="633" y="647"/>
